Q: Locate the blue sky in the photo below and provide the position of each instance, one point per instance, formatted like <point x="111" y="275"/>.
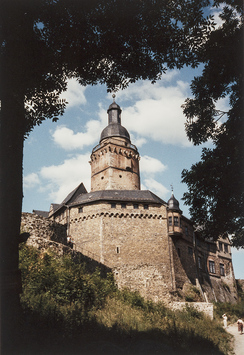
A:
<point x="56" y="155"/>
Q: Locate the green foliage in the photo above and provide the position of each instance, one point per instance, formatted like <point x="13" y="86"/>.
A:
<point x="66" y="308"/>
<point x="58" y="285"/>
<point x="192" y="294"/>
<point x="216" y="205"/>
<point x="233" y="311"/>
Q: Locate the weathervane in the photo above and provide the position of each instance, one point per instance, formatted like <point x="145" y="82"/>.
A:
<point x="172" y="188"/>
<point x="114" y="96"/>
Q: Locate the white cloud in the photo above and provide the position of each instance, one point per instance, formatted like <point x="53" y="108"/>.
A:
<point x="149" y="165"/>
<point x="156" y="111"/>
<point x="217" y="11"/>
<point x="156" y="187"/>
<point x="31" y="180"/>
<point x="68" y="140"/>
<point x="75" y="94"/>
<point x="60" y="180"/>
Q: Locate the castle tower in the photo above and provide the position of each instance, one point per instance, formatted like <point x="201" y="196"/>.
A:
<point x="115" y="161"/>
<point x="174" y="216"/>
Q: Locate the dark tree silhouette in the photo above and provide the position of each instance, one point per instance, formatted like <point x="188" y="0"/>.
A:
<point x="216" y="183"/>
<point x="45" y="42"/>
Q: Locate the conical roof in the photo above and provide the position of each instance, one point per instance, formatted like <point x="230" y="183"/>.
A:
<point x="173" y="203"/>
<point x="114" y="128"/>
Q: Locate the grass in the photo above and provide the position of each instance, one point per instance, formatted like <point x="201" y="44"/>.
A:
<point x="66" y="310"/>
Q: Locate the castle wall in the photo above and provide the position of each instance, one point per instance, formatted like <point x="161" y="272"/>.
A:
<point x="39" y="226"/>
<point x="115" y="166"/>
<point x="134" y="241"/>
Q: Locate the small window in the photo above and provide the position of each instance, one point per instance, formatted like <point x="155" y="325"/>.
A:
<point x="190" y="251"/>
<point x="136" y="206"/>
<point x="113" y="205"/>
<point x="178" y="251"/>
<point x="123" y="205"/>
<point x="200" y="262"/>
<point x="120" y="176"/>
<point x="170" y="220"/>
<point x="220" y="246"/>
<point x="80" y="209"/>
<point x="186" y="230"/>
<point x="117" y="250"/>
<point x="212" y="266"/>
<point x="222" y="269"/>
<point x="208" y="247"/>
<point x="176" y="221"/>
<point x="145" y="207"/>
<point x="226" y="248"/>
<point x="198" y="242"/>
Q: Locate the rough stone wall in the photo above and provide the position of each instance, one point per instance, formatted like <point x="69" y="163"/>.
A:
<point x="115" y="165"/>
<point x="204" y="307"/>
<point x="42" y="227"/>
<point x="133" y="241"/>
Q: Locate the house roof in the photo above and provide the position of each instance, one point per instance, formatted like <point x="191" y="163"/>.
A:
<point x="143" y="196"/>
<point x="79" y="190"/>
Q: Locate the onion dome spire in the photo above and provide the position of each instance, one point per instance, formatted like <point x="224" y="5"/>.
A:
<point x="114" y="128"/>
<point x="173" y="203"/>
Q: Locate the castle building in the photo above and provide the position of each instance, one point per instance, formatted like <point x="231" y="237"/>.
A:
<point x="147" y="242"/>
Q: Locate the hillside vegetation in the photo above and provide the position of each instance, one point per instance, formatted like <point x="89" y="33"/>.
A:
<point x="67" y="310"/>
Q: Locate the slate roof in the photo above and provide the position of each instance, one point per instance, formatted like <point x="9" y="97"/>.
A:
<point x="41" y="213"/>
<point x="143" y="196"/>
<point x="79" y="190"/>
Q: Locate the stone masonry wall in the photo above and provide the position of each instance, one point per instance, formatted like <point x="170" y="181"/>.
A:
<point x="42" y="227"/>
<point x="204" y="307"/>
<point x="133" y="242"/>
<point x="115" y="165"/>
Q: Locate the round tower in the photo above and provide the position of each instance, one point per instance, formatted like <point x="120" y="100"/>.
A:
<point x="174" y="216"/>
<point x="115" y="161"/>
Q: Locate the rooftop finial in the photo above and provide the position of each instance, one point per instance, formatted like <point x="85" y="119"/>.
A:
<point x="113" y="96"/>
<point x="172" y="188"/>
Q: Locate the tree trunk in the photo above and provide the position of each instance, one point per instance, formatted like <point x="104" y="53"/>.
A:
<point x="11" y="144"/>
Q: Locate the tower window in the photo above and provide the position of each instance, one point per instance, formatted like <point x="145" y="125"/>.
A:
<point x="190" y="251"/>
<point x="170" y="220"/>
<point x="102" y="177"/>
<point x="199" y="262"/>
<point x="136" y="206"/>
<point x="222" y="269"/>
<point x="212" y="266"/>
<point x="220" y="246"/>
<point x="226" y="248"/>
<point x="178" y="251"/>
<point x="120" y="176"/>
<point x="176" y="221"/>
<point x="80" y="209"/>
<point x="186" y="230"/>
<point x="145" y="207"/>
<point x="117" y="250"/>
<point x="123" y="205"/>
<point x="113" y="205"/>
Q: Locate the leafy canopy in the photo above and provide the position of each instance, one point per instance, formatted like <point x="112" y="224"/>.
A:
<point x="215" y="184"/>
<point x="113" y="42"/>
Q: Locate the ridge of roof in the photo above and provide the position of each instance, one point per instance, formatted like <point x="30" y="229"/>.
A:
<point x="118" y="195"/>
